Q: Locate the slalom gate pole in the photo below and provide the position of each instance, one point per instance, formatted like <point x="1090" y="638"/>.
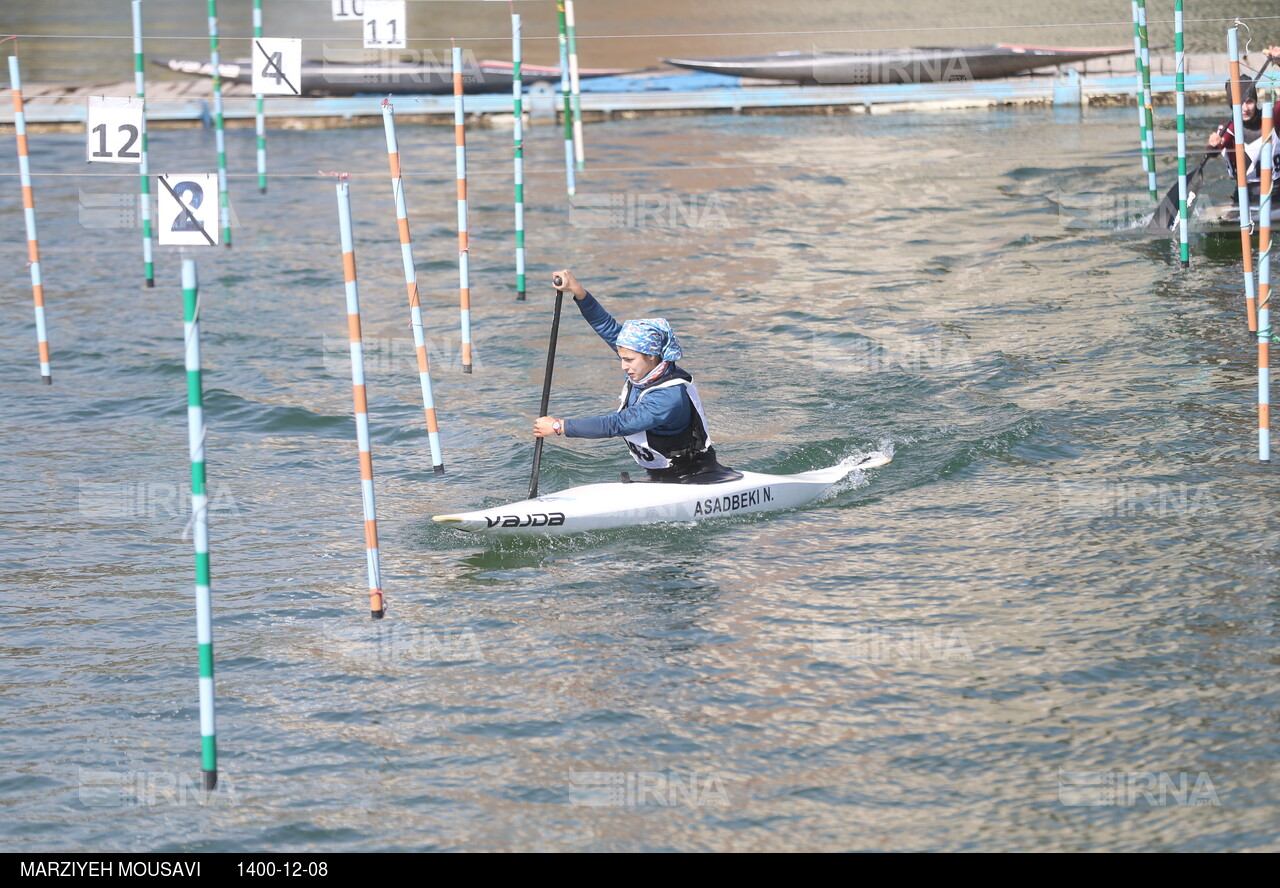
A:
<point x="1242" y="185"/>
<point x="579" y="150"/>
<point x="200" y="523"/>
<point x="517" y="90"/>
<point x="411" y="285"/>
<point x="377" y="607"/>
<point x="571" y="184"/>
<point x="219" y="128"/>
<point x="1184" y="223"/>
<point x="259" y="118"/>
<point x="144" y="175"/>
<point x="464" y="236"/>
<point x="29" y="216"/>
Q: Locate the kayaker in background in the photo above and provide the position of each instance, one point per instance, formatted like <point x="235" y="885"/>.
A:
<point x="661" y="415"/>
<point x="1225" y="139"/>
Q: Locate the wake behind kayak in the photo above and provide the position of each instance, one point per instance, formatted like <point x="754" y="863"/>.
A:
<point x="616" y="504"/>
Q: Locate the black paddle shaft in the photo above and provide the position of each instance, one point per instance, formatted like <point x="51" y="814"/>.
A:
<point x="546" y="387"/>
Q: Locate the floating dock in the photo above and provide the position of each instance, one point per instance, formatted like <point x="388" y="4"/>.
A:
<point x="668" y="91"/>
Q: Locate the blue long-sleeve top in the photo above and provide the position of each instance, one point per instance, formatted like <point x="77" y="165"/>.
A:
<point x="665" y="410"/>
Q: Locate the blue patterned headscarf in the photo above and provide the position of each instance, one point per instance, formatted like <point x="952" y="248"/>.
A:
<point x="650" y="336"/>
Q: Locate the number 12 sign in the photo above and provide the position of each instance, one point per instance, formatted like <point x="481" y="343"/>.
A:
<point x="114" y="128"/>
<point x="384" y="24"/>
<point x="187" y="210"/>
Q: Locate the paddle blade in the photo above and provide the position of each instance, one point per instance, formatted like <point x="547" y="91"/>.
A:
<point x="1165" y="219"/>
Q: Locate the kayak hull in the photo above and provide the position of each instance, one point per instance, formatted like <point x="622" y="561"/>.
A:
<point x="1226" y="216"/>
<point x="915" y="65"/>
<point x="330" y="78"/>
<point x="611" y="505"/>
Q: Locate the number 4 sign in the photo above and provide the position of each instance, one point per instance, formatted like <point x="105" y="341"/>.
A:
<point x="384" y="24"/>
<point x="277" y="67"/>
<point x="114" y="128"/>
<point x="187" y="210"/>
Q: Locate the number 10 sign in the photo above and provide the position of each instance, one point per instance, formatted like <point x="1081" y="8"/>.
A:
<point x="114" y="127"/>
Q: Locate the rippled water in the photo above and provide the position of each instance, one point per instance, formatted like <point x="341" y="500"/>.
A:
<point x="1067" y="573"/>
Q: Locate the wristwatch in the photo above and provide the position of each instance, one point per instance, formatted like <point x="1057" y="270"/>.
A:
<point x="556" y="426"/>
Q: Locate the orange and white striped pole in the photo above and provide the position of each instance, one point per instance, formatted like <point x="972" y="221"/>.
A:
<point x="464" y="239"/>
<point x="411" y="284"/>
<point x="376" y="606"/>
<point x="1264" y="296"/>
<point x="29" y="214"/>
<point x="1242" y="186"/>
<point x="1267" y="159"/>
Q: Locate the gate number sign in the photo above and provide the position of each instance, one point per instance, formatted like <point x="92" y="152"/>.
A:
<point x="187" y="210"/>
<point x="384" y="24"/>
<point x="277" y="66"/>
<point x="114" y="130"/>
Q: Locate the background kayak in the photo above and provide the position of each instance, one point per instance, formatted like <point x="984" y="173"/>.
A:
<point x="335" y="78"/>
<point x="915" y="65"/>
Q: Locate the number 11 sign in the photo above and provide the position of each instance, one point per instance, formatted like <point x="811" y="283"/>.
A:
<point x="384" y="25"/>
<point x="114" y="127"/>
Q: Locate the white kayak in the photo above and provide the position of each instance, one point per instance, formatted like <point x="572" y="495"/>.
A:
<point x="1226" y="216"/>
<point x="618" y="504"/>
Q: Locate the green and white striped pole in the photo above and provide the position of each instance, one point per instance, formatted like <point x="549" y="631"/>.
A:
<point x="144" y="178"/>
<point x="1149" y="143"/>
<point x="219" y="132"/>
<point x="200" y="523"/>
<point x="570" y="184"/>
<point x="260" y="123"/>
<point x="579" y="152"/>
<point x="517" y="94"/>
<point x="1142" y="110"/>
<point x="1184" y="224"/>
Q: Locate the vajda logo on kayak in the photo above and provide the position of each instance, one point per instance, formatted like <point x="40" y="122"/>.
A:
<point x="540" y="519"/>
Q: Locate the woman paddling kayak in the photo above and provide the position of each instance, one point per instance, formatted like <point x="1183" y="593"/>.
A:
<point x="660" y="414"/>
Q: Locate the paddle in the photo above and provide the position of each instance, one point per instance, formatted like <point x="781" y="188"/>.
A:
<point x="1165" y="219"/>
<point x="546" y="385"/>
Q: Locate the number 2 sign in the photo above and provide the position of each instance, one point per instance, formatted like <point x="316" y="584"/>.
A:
<point x="277" y="66"/>
<point x="384" y="24"/>
<point x="114" y="128"/>
<point x="187" y="210"/>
